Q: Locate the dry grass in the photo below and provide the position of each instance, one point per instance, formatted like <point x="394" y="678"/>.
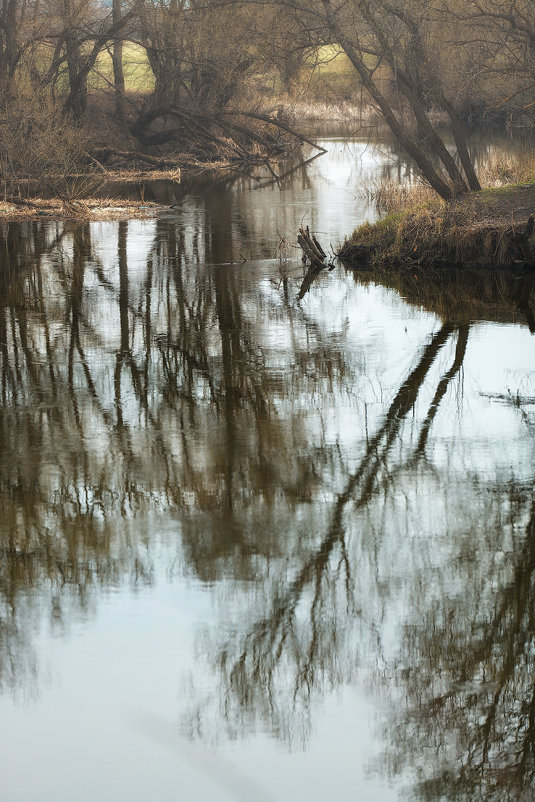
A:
<point x="88" y="209"/>
<point x="501" y="169"/>
<point x="480" y="228"/>
<point x="477" y="230"/>
<point x="389" y="196"/>
<point x="306" y="109"/>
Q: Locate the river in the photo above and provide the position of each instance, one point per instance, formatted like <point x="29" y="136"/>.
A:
<point x="256" y="546"/>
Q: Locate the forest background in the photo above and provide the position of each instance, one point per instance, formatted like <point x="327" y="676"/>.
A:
<point x="85" y="85"/>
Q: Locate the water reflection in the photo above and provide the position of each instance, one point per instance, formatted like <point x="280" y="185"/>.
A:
<point x="352" y="476"/>
<point x="306" y="628"/>
<point x="126" y="394"/>
<point x="505" y="295"/>
<point x="468" y="726"/>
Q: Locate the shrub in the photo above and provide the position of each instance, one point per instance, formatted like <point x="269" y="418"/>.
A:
<point x="42" y="149"/>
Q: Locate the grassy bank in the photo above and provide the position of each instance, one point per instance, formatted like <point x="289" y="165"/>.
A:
<point x="487" y="228"/>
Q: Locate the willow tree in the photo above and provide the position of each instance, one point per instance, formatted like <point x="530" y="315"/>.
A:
<point x="78" y="32"/>
<point x="191" y="65"/>
<point x="392" y="46"/>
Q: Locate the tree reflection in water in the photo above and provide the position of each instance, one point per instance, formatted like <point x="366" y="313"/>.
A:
<point x="390" y="553"/>
<point x="123" y="401"/>
<point x="466" y="670"/>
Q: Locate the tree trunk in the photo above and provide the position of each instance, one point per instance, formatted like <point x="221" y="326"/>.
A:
<point x="8" y="42"/>
<point x="424" y="164"/>
<point x="411" y="81"/>
<point x="460" y="141"/>
<point x="118" y="72"/>
<point x="81" y="65"/>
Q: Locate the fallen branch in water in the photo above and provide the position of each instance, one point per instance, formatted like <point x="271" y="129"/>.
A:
<point x="311" y="248"/>
<point x="315" y="254"/>
<point x="278" y="123"/>
<point x="21" y="201"/>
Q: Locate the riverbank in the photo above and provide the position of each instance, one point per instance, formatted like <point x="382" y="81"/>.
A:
<point x="491" y="228"/>
<point x="88" y="209"/>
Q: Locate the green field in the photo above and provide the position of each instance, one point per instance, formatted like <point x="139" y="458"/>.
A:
<point x="328" y="71"/>
<point x="137" y="72"/>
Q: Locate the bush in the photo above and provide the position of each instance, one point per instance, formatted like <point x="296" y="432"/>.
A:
<point x="42" y="149"/>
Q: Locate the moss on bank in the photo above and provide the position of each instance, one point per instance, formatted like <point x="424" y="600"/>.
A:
<point x="483" y="229"/>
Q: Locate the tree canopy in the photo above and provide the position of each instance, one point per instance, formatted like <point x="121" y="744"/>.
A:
<point x="214" y="71"/>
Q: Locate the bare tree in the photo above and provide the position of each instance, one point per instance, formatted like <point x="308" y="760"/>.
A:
<point x="390" y="42"/>
<point x="22" y="25"/>
<point x="505" y="54"/>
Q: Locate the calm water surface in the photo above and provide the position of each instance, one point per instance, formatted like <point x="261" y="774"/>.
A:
<point x="255" y="546"/>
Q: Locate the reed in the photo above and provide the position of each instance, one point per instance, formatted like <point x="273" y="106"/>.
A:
<point x="504" y="169"/>
<point x="391" y="196"/>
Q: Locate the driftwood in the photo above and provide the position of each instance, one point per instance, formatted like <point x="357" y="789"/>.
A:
<point x="312" y="250"/>
<point x="104" y="154"/>
<point x="16" y="201"/>
<point x="314" y="253"/>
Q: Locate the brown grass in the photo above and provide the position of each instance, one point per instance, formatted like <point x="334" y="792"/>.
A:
<point x="88" y="209"/>
<point x="389" y="196"/>
<point x="503" y="169"/>
<point x="333" y="111"/>
<point x="500" y="170"/>
<point x="480" y="229"/>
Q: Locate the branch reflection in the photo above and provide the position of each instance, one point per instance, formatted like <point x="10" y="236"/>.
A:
<point x="311" y="477"/>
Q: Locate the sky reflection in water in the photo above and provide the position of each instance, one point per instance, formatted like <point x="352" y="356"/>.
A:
<point x="253" y="547"/>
